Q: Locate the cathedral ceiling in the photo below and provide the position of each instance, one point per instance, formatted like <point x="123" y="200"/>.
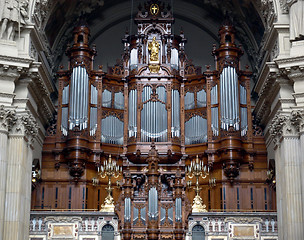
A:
<point x="200" y="19"/>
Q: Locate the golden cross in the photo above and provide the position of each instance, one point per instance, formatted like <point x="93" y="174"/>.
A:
<point x="154" y="9"/>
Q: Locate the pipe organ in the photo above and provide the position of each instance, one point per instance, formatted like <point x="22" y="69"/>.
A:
<point x="154" y="111"/>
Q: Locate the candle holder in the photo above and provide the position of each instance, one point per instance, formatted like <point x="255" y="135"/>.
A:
<point x="197" y="169"/>
<point x="109" y="169"/>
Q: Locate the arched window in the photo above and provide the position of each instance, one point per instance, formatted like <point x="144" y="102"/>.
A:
<point x="198" y="232"/>
<point x="107" y="232"/>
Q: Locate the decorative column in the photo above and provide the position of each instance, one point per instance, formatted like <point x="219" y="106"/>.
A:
<point x="7" y="119"/>
<point x="288" y="153"/>
<point x="179" y="199"/>
<point x="18" y="179"/>
<point x="127" y="188"/>
<point x="153" y="186"/>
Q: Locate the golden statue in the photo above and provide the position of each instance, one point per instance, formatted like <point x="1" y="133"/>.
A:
<point x="153" y="48"/>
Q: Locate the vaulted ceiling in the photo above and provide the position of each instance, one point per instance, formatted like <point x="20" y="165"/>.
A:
<point x="200" y="20"/>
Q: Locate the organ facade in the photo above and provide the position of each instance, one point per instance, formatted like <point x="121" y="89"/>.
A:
<point x="154" y="112"/>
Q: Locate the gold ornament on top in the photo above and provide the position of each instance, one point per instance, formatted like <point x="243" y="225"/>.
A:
<point x="110" y="169"/>
<point x="197" y="169"/>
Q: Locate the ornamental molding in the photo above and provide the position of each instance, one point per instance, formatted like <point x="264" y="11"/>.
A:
<point x="62" y="219"/>
<point x="242" y="220"/>
<point x="7" y="118"/>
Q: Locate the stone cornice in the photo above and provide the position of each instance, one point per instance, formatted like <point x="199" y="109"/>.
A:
<point x="15" y="61"/>
<point x="287" y="63"/>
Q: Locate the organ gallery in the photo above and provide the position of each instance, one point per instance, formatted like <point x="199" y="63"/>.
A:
<point x="154" y="139"/>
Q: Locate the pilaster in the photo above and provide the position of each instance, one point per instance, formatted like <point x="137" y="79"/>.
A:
<point x="285" y="134"/>
<point x="7" y="120"/>
<point x="18" y="179"/>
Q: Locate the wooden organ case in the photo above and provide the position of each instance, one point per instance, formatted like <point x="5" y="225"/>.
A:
<point x="154" y="111"/>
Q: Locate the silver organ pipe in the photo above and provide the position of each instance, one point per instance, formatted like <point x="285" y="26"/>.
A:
<point x="112" y="130"/>
<point x="127" y="209"/>
<point x="106" y="98"/>
<point x="189" y="100"/>
<point x="93" y="110"/>
<point x="154" y="116"/>
<point x="65" y="111"/>
<point x="178" y="209"/>
<point x="196" y="130"/>
<point x="133" y="59"/>
<point x="174" y="58"/>
<point x="119" y="100"/>
<point x="243" y="102"/>
<point x="201" y="98"/>
<point x="162" y="215"/>
<point x="135" y="215"/>
<point x="153" y="203"/>
<point x="229" y="99"/>
<point x="175" y="101"/>
<point x="79" y="98"/>
<point x="170" y="215"/>
<point x="214" y="111"/>
<point x="143" y="214"/>
<point x="132" y="113"/>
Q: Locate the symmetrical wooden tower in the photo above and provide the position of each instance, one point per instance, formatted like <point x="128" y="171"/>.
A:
<point x="154" y="112"/>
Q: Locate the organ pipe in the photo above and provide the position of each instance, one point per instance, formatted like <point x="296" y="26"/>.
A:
<point x="154" y="115"/>
<point x="174" y="58"/>
<point x="243" y="101"/>
<point x="135" y="215"/>
<point x="196" y="130"/>
<point x="178" y="209"/>
<point x="189" y="101"/>
<point x="93" y="111"/>
<point x="65" y="111"/>
<point x="127" y="209"/>
<point x="119" y="100"/>
<point x="79" y="98"/>
<point x="106" y="98"/>
<point x="229" y="99"/>
<point x="133" y="59"/>
<point x="112" y="130"/>
<point x="201" y="98"/>
<point x="153" y="203"/>
<point x="132" y="125"/>
<point x="214" y="111"/>
<point x="175" y="101"/>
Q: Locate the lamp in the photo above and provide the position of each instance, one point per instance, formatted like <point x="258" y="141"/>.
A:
<point x="109" y="169"/>
<point x="197" y="169"/>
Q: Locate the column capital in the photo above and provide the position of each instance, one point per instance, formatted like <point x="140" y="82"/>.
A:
<point x="286" y="125"/>
<point x="8" y="118"/>
<point x="25" y="126"/>
<point x="297" y="119"/>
